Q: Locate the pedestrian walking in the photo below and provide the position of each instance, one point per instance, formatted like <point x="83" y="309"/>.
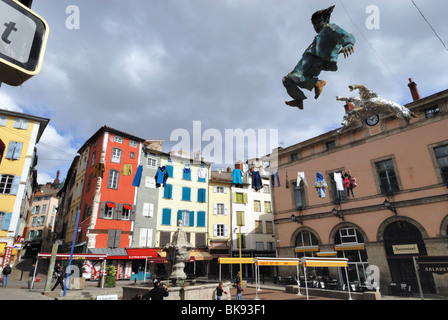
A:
<point x="239" y="291"/>
<point x="156" y="293"/>
<point x="31" y="276"/>
<point x="6" y="272"/>
<point x="219" y="291"/>
<point x="59" y="274"/>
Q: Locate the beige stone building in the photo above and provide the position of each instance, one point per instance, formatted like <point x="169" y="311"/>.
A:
<point x="398" y="209"/>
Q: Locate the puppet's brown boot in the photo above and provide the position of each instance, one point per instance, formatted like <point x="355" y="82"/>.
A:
<point x="318" y="88"/>
<point x="295" y="103"/>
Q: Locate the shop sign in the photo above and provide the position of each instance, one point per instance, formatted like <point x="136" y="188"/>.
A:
<point x="433" y="264"/>
<point x="405" y="249"/>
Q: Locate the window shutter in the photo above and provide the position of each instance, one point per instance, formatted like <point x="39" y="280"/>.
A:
<point x="132" y="217"/>
<point x="191" y="218"/>
<point x="226" y="211"/>
<point x="110" y="238"/>
<point x="215" y="189"/>
<point x="225" y="190"/>
<point x="117" y="238"/>
<point x="102" y="210"/>
<point x="15" y="185"/>
<point x="142" y="241"/>
<point x="226" y="231"/>
<point x="6" y="221"/>
<point x="166" y="216"/>
<point x="201" y="219"/>
<point x="215" y="209"/>
<point x="170" y="171"/>
<point x="215" y="230"/>
<point x="234" y="197"/>
<point x="118" y="212"/>
<point x="244" y="198"/>
<point x="145" y="209"/>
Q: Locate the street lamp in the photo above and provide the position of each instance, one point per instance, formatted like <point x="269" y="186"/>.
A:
<point x="296" y="219"/>
<point x="389" y="206"/>
<point x="338" y="214"/>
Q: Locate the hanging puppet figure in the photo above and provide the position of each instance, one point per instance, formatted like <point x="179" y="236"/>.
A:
<point x="322" y="54"/>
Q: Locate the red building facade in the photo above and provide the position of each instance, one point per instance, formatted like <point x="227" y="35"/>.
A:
<point x="108" y="197"/>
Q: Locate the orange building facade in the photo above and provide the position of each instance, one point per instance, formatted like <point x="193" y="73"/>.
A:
<point x="397" y="210"/>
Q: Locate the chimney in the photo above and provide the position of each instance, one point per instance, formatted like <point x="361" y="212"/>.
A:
<point x="229" y="169"/>
<point x="414" y="91"/>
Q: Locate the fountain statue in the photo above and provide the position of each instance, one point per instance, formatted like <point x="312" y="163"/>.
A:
<point x="177" y="253"/>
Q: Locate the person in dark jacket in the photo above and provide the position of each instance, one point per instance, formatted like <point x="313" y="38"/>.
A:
<point x="219" y="291"/>
<point x="6" y="272"/>
<point x="157" y="293"/>
<point x="59" y="277"/>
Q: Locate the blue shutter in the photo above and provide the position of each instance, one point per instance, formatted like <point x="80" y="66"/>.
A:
<point x="10" y="150"/>
<point x="166" y="216"/>
<point x="168" y="192"/>
<point x="6" y="220"/>
<point x="186" y="194"/>
<point x="17" y="151"/>
<point x="186" y="174"/>
<point x="201" y="219"/>
<point x="191" y="218"/>
<point x="169" y="169"/>
<point x="15" y="185"/>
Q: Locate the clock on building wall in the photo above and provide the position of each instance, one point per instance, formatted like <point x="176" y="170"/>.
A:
<point x="373" y="120"/>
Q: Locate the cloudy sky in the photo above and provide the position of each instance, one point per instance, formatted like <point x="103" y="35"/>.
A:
<point x="149" y="67"/>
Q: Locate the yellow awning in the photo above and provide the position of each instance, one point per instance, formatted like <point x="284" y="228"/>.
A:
<point x="326" y="254"/>
<point x="307" y="249"/>
<point x="200" y="255"/>
<point x="277" y="262"/>
<point x="345" y="247"/>
<point x="323" y="262"/>
<point x="223" y="260"/>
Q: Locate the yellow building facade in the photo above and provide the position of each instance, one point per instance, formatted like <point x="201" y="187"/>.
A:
<point x="19" y="132"/>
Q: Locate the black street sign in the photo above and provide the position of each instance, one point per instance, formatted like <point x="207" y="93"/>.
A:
<point x="23" y="38"/>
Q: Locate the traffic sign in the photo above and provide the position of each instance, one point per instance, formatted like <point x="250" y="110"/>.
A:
<point x="23" y="38"/>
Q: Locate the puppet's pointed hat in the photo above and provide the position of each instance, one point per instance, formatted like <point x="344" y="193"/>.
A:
<point x="324" y="14"/>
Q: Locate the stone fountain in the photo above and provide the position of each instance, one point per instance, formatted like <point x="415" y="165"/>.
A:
<point x="177" y="253"/>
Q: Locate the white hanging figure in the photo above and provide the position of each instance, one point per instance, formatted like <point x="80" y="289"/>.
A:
<point x="368" y="104"/>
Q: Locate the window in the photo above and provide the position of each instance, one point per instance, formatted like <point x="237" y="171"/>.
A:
<point x="294" y="156"/>
<point x="118" y="139"/>
<point x="269" y="227"/>
<point x="220" y="209"/>
<point x="299" y="195"/>
<point x="240" y="218"/>
<point x="306" y="239"/>
<point x="220" y="230"/>
<point x="41" y="221"/>
<point x="132" y="155"/>
<point x="6" y="183"/>
<point x="36" y="210"/>
<point x="3" y="120"/>
<point x="126" y="213"/>
<point x="270" y="246"/>
<point x="186" y="217"/>
<point x="432" y="112"/>
<point x="266" y="188"/>
<point x="133" y="143"/>
<point x="348" y="235"/>
<point x="259" y="246"/>
<point x="186" y="194"/>
<point x="186" y="174"/>
<point x="202" y="195"/>
<point x="148" y="209"/>
<point x="109" y="212"/>
<point x="93" y="159"/>
<point x="14" y="150"/>
<point x="112" y="183"/>
<point x="387" y="177"/>
<point x="442" y="161"/>
<point x="267" y="207"/>
<point x="21" y="123"/>
<point x="257" y="206"/>
<point x="2" y="218"/>
<point x="240" y="197"/>
<point x="89" y="182"/>
<point x="219" y="189"/>
<point x="116" y="155"/>
<point x="34" y="223"/>
<point x="151" y="163"/>
<point x="165" y="238"/>
<point x="258" y="226"/>
<point x="330" y="145"/>
<point x="44" y="209"/>
<point x="337" y="187"/>
<point x="201" y="240"/>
